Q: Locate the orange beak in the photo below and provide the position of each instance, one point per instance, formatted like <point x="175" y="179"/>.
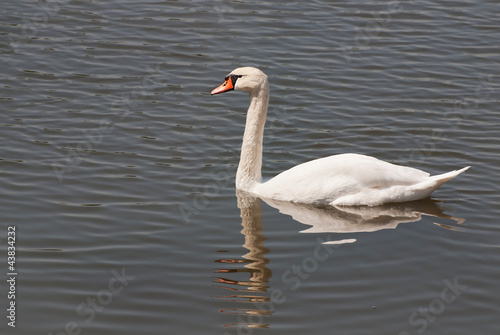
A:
<point x="227" y="86"/>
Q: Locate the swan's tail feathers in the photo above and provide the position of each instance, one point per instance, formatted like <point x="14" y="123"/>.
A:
<point x="440" y="179"/>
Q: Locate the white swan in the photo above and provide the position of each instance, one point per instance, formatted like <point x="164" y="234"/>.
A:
<point x="341" y="180"/>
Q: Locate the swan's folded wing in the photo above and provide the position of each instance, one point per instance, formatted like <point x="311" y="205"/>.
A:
<point x="374" y="173"/>
<point x="325" y="179"/>
<point x="366" y="170"/>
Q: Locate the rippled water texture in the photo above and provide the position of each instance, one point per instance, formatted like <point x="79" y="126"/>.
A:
<point x="117" y="167"/>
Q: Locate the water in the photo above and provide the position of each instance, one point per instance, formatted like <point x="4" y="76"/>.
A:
<point x="117" y="167"/>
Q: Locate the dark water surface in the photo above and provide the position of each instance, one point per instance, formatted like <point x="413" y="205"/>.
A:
<point x="117" y="167"/>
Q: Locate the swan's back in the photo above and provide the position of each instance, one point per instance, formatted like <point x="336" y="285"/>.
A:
<point x="348" y="179"/>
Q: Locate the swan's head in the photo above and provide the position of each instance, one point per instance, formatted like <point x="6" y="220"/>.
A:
<point x="246" y="79"/>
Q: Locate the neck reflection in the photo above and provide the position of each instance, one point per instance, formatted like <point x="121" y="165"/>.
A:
<point x="249" y="283"/>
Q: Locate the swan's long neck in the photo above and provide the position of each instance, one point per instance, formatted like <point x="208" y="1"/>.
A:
<point x="249" y="169"/>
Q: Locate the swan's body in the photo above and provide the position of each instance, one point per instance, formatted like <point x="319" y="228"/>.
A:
<point x="345" y="179"/>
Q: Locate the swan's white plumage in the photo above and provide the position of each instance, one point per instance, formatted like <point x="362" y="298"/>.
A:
<point x="351" y="179"/>
<point x="345" y="179"/>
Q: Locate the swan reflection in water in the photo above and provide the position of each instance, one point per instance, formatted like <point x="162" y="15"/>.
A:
<point x="252" y="290"/>
<point x="251" y="293"/>
<point x="333" y="219"/>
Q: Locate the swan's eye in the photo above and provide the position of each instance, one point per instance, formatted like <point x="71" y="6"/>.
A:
<point x="234" y="77"/>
